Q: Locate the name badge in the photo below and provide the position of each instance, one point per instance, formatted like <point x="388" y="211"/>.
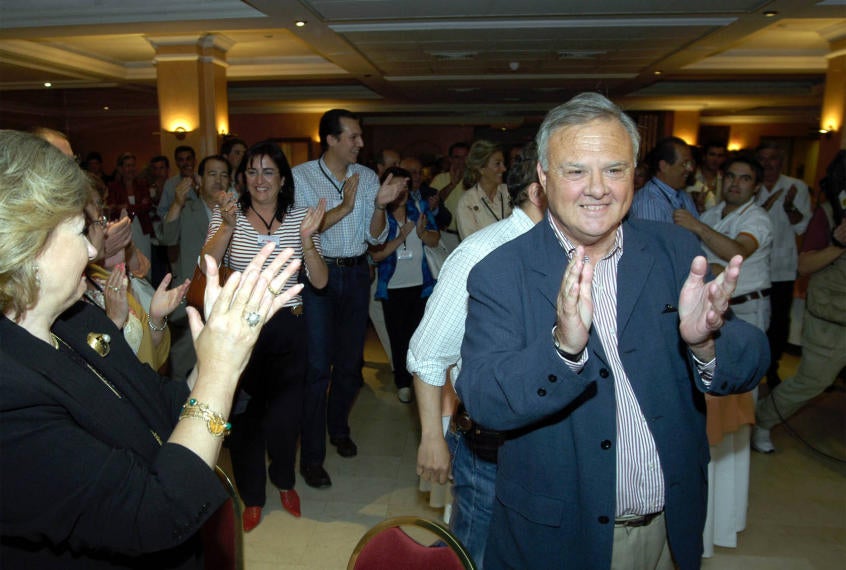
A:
<point x="404" y="253"/>
<point x="267" y="239"/>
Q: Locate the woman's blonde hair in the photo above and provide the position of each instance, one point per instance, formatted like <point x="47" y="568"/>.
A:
<point x="39" y="189"/>
<point x="480" y="153"/>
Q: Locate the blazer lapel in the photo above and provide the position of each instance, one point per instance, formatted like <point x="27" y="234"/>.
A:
<point x="546" y="258"/>
<point x="632" y="273"/>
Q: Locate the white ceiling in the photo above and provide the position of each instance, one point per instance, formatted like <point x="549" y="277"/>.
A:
<point x="410" y="60"/>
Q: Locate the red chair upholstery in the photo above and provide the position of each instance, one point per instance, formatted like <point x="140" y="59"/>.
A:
<point x="223" y="535"/>
<point x="388" y="547"/>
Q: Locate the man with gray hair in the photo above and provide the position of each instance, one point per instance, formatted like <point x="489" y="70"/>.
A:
<point x="596" y="368"/>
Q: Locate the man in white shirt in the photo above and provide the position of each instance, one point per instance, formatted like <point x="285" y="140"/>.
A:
<point x="336" y="316"/>
<point x="788" y="203"/>
<point x="435" y="349"/>
<point x="738" y="226"/>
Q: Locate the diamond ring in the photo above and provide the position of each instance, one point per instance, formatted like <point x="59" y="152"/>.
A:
<point x="252" y="318"/>
<point x="113" y="288"/>
<point x="274" y="292"/>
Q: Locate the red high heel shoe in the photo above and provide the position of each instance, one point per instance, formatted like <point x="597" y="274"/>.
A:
<point x="290" y="502"/>
<point x="251" y="518"/>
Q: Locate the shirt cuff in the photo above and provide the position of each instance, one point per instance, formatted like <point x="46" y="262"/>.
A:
<point x="705" y="369"/>
<point x="575" y="366"/>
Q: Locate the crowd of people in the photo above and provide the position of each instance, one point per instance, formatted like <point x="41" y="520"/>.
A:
<point x="585" y="361"/>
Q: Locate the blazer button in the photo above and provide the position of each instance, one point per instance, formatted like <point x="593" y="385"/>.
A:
<point x="603" y="373"/>
<point x="541" y="392"/>
<point x="552" y="378"/>
<point x="603" y="519"/>
<point x="606" y="444"/>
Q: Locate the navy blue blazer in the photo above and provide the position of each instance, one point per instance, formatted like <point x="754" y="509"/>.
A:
<point x="556" y="478"/>
<point x="83" y="481"/>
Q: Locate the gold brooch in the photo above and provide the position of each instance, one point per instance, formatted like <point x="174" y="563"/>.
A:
<point x="99" y="342"/>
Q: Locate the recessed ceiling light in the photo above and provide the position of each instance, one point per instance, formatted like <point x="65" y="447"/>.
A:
<point x="47" y="84"/>
<point x="657" y="72"/>
<point x="300" y="23"/>
<point x="770" y="13"/>
<point x="105" y="107"/>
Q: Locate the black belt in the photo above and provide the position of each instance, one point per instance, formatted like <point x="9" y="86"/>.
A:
<point x="633" y="521"/>
<point x="740" y="299"/>
<point x="346" y="261"/>
<point x="485" y="443"/>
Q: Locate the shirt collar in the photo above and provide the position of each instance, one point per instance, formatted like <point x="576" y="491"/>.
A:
<point x="569" y="248"/>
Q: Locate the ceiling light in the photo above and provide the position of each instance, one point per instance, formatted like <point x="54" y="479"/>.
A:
<point x="300" y="23"/>
<point x="580" y="53"/>
<point x="657" y="72"/>
<point x="453" y="55"/>
<point x="105" y="107"/>
<point x="47" y="84"/>
<point x="770" y="13"/>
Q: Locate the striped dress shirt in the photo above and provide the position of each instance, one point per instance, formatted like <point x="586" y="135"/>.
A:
<point x="640" y="480"/>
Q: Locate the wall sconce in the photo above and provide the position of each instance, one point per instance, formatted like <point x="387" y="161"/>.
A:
<point x="827" y="131"/>
<point x="180" y="133"/>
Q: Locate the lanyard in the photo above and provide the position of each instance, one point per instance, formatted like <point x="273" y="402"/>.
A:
<point x="339" y="189"/>
<point x="501" y="208"/>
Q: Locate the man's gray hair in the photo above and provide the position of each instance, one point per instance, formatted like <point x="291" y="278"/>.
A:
<point x="582" y="109"/>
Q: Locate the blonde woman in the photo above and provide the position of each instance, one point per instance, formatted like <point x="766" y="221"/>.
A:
<point x="485" y="201"/>
<point x="105" y="464"/>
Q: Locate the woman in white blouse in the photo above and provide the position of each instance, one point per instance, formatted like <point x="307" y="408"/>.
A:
<point x="272" y="384"/>
<point x="485" y="201"/>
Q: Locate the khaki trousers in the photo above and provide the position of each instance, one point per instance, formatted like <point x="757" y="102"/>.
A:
<point x="642" y="547"/>
<point x="823" y="356"/>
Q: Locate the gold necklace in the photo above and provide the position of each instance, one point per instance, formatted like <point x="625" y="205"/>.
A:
<point x="96" y="372"/>
<point x="105" y="382"/>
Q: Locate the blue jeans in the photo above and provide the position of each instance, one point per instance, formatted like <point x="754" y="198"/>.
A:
<point x="336" y="323"/>
<point x="474" y="493"/>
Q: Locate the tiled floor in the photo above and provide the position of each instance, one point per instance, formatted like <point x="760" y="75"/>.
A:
<point x="797" y="513"/>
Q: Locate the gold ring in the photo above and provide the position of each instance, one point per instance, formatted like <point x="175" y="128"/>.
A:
<point x="274" y="292"/>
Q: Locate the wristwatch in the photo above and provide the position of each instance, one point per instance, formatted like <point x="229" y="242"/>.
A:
<point x="561" y="351"/>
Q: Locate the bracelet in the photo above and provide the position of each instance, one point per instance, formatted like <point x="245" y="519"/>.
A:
<point x="382" y="208"/>
<point x="153" y="327"/>
<point x="215" y="423"/>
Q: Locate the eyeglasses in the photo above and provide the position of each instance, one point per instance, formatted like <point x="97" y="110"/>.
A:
<point x="265" y="172"/>
<point x="101" y="221"/>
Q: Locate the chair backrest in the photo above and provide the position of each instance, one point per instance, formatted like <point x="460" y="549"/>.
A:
<point x="223" y="533"/>
<point x="387" y="547"/>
